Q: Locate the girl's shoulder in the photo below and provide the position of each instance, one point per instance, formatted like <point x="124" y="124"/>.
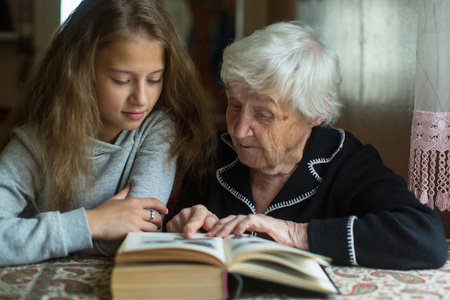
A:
<point x="24" y="142"/>
<point x="28" y="135"/>
<point x="157" y="126"/>
<point x="157" y="120"/>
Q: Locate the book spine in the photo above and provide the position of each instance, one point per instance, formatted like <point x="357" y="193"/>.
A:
<point x="225" y="284"/>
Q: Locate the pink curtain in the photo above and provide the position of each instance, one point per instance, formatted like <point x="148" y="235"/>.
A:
<point x="429" y="161"/>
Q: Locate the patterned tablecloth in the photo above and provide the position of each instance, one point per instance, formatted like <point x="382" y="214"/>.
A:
<point x="87" y="277"/>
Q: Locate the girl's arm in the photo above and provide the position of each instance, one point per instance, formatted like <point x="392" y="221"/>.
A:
<point x="27" y="235"/>
<point x="153" y="170"/>
<point x="149" y="170"/>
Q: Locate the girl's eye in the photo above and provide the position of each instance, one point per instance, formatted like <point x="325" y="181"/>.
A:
<point x="155" y="80"/>
<point x="121" y="82"/>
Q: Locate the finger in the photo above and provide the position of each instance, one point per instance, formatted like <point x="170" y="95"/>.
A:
<point x="198" y="215"/>
<point x="174" y="225"/>
<point x="149" y="227"/>
<point x="153" y="217"/>
<point x="177" y="223"/>
<point x="252" y="223"/>
<point x="171" y="226"/>
<point x="219" y="225"/>
<point x="123" y="193"/>
<point x="226" y="226"/>
<point x="155" y="204"/>
<point x="227" y="219"/>
<point x="265" y="226"/>
<point x="241" y="224"/>
<point x="184" y="215"/>
<point x="210" y="221"/>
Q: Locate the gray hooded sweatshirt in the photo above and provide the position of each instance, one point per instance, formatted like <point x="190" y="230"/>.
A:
<point x="30" y="233"/>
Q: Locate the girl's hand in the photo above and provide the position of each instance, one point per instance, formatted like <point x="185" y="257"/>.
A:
<point x="284" y="232"/>
<point x="191" y="219"/>
<point x="119" y="215"/>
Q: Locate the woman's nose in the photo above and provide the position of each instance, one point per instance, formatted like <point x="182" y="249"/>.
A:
<point x="242" y="127"/>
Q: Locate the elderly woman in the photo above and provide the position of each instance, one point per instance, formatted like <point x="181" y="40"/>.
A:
<point x="283" y="172"/>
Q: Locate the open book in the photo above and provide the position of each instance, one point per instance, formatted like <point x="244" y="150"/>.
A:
<point x="166" y="265"/>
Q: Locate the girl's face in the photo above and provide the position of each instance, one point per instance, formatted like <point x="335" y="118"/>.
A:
<point x="128" y="83"/>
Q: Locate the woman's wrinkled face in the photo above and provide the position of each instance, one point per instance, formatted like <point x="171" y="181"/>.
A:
<point x="268" y="136"/>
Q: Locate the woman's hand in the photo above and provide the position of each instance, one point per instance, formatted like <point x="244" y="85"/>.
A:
<point x="120" y="215"/>
<point x="284" y="232"/>
<point x="191" y="219"/>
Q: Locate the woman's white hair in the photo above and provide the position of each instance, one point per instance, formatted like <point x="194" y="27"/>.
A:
<point x="287" y="59"/>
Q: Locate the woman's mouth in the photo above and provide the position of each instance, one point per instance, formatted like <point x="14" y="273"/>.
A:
<point x="245" y="146"/>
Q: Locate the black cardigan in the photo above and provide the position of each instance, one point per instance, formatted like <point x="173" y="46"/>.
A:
<point x="359" y="212"/>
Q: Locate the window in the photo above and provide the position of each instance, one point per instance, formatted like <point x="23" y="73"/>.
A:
<point x="67" y="6"/>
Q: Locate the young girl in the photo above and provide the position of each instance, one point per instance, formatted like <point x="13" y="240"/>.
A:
<point x="111" y="111"/>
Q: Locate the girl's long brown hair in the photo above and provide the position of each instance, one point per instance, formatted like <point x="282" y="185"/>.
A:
<point x="60" y="99"/>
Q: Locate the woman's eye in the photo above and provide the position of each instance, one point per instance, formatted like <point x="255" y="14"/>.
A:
<point x="264" y="116"/>
<point x="234" y="105"/>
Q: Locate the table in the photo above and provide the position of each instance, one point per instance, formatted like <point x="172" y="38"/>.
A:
<point x="88" y="277"/>
<point x="72" y="277"/>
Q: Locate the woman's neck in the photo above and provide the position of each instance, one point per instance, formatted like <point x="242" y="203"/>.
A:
<point x="265" y="187"/>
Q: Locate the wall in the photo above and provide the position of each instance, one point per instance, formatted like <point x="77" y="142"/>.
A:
<point x="376" y="42"/>
<point x="46" y="21"/>
<point x="15" y="52"/>
<point x="11" y="65"/>
<point x="34" y="23"/>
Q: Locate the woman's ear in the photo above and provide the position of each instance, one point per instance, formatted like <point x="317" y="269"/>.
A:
<point x="315" y="121"/>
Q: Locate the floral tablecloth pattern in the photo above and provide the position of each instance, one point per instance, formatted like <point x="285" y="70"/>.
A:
<point x="88" y="277"/>
<point x="74" y="277"/>
<point x="357" y="283"/>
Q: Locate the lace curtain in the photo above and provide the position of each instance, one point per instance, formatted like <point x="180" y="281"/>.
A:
<point x="429" y="161"/>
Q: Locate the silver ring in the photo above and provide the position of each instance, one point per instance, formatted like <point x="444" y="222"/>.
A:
<point x="152" y="216"/>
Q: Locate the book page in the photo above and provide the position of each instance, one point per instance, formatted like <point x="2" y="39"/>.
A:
<point x="171" y="243"/>
<point x="277" y="273"/>
<point x="241" y="245"/>
<point x="251" y="255"/>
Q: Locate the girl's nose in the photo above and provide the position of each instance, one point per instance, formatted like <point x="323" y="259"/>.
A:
<point x="139" y="96"/>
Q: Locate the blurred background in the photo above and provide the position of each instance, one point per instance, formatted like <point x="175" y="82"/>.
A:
<point x="375" y="40"/>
